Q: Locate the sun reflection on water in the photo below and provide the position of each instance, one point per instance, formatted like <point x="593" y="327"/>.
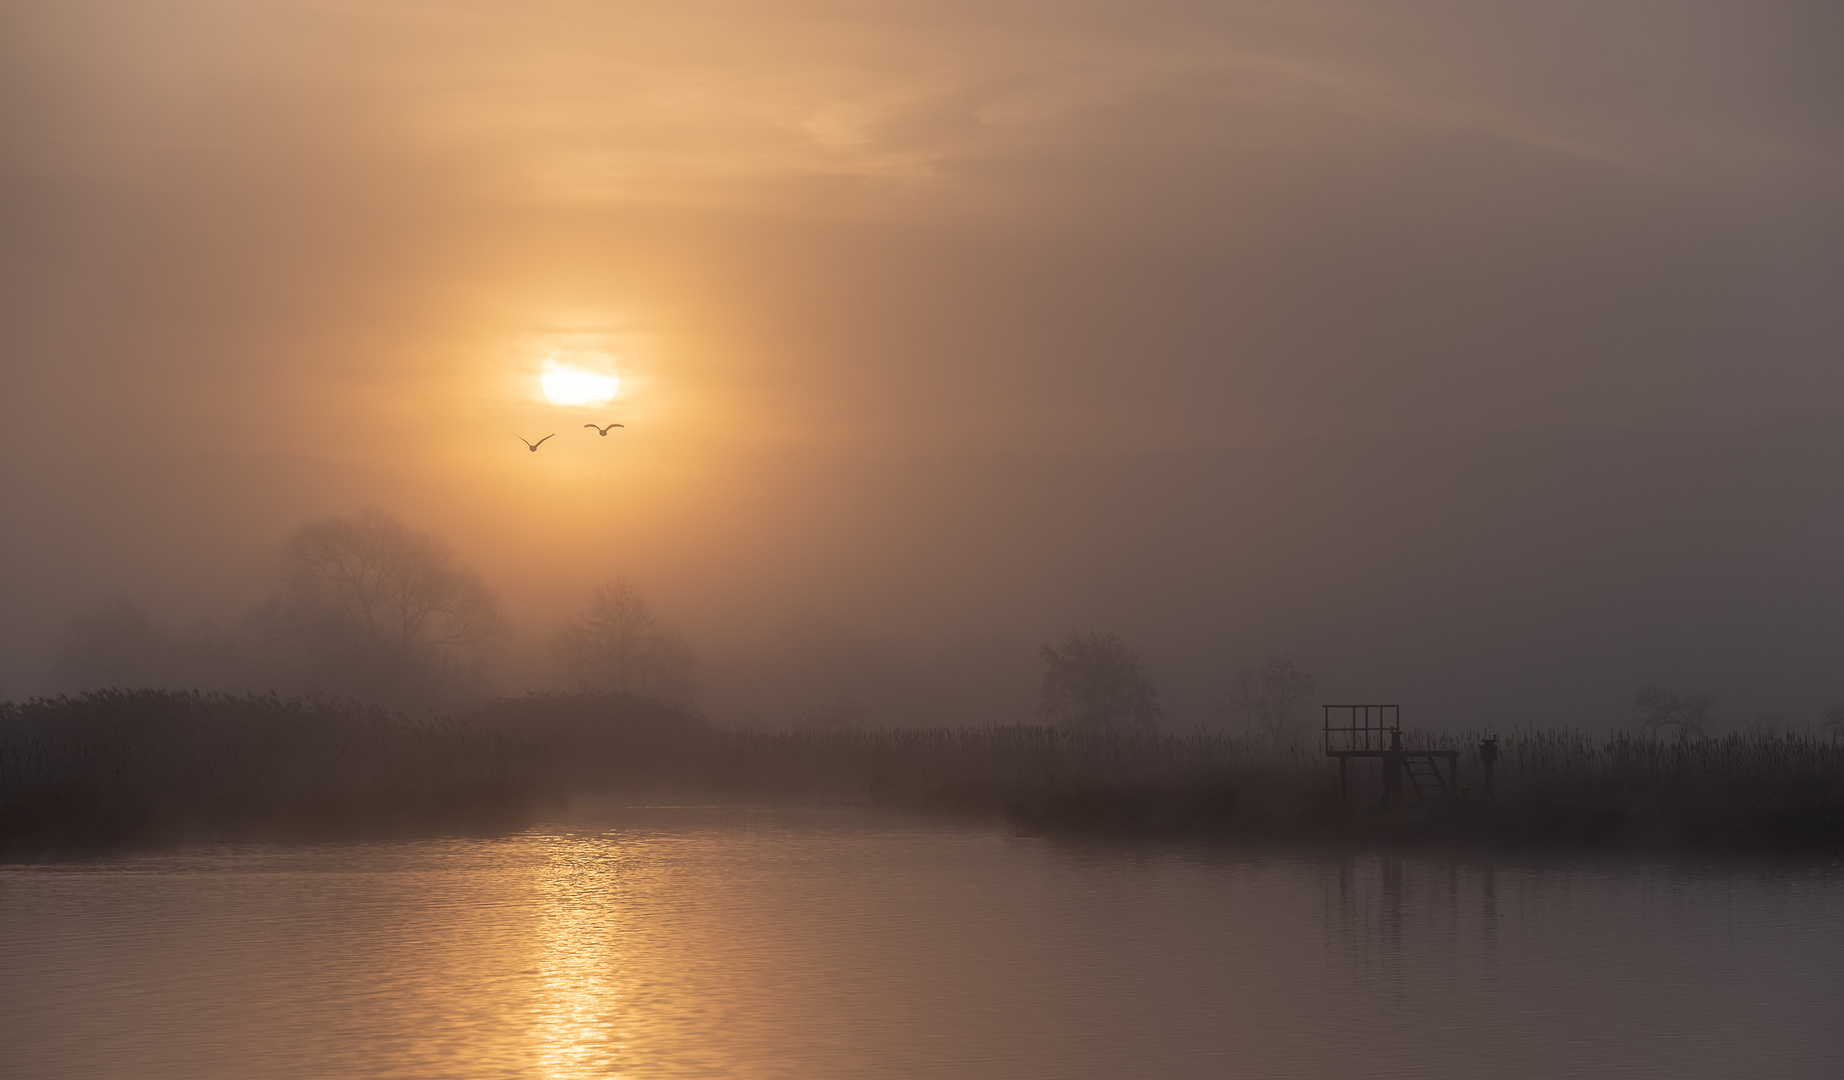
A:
<point x="581" y="992"/>
<point x="841" y="944"/>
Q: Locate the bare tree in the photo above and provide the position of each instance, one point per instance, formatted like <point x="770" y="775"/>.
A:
<point x="1688" y="714"/>
<point x="1095" y="683"/>
<point x="371" y="608"/>
<point x="1766" y="725"/>
<point x="620" y="645"/>
<point x="1274" y="699"/>
<point x="843" y="714"/>
<point x="1833" y="722"/>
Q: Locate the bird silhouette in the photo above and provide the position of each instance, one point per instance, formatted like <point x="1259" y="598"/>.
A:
<point x="603" y="431"/>
<point x="532" y="446"/>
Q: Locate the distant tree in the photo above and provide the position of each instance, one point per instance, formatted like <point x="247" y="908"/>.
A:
<point x="1687" y="714"/>
<point x="1274" y="699"/>
<point x="1766" y="725"/>
<point x="373" y="609"/>
<point x="619" y="645"/>
<point x="1092" y="682"/>
<point x="112" y="645"/>
<point x="1833" y="722"/>
<point x="843" y="714"/>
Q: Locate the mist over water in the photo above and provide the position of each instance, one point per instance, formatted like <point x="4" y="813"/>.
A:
<point x="1485" y="581"/>
<point x="1028" y="412"/>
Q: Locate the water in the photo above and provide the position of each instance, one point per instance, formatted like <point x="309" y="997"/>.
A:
<point x="727" y="942"/>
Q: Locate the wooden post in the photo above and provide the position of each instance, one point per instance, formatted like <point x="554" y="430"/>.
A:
<point x="1392" y="772"/>
<point x="1488" y="756"/>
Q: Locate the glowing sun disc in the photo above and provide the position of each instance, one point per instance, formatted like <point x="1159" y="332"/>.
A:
<point x="565" y="385"/>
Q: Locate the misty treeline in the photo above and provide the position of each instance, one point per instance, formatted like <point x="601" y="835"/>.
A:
<point x="371" y="623"/>
<point x="366" y="608"/>
<point x="1662" y="713"/>
<point x="369" y="609"/>
<point x="1094" y="683"/>
<point x="619" y="645"/>
<point x="153" y="767"/>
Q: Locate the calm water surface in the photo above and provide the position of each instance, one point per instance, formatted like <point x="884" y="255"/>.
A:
<point x="726" y="942"/>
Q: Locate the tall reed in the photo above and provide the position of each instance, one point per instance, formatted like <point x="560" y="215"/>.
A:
<point x="153" y="766"/>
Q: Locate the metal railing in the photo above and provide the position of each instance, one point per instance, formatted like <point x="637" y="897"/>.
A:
<point x="1364" y="728"/>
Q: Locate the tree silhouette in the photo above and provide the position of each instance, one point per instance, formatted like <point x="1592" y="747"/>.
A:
<point x="375" y="610"/>
<point x="1660" y="709"/>
<point x="842" y="714"/>
<point x="620" y="645"/>
<point x="1833" y="722"/>
<point x="1092" y="682"/>
<point x="1273" y="699"/>
<point x="1765" y="725"/>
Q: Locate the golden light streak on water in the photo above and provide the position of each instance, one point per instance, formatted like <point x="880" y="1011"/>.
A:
<point x="580" y="1020"/>
<point x="810" y="944"/>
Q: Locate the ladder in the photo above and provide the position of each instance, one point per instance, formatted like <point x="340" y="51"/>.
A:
<point x="1425" y="777"/>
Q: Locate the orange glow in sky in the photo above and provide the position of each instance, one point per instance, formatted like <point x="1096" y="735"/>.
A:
<point x="575" y="380"/>
<point x="938" y="330"/>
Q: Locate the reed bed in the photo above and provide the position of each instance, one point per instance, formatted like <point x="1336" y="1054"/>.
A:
<point x="1733" y="792"/>
<point x="1047" y="779"/>
<point x="154" y="766"/>
<point x="1737" y="793"/>
<point x="148" y="767"/>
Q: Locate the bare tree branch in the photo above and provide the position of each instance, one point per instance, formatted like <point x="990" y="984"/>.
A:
<point x="375" y="609"/>
<point x="1274" y="699"/>
<point x="1660" y="709"/>
<point x="1092" y="682"/>
<point x="620" y="645"/>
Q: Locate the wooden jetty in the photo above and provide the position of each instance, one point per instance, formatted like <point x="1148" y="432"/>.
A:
<point x="1375" y="731"/>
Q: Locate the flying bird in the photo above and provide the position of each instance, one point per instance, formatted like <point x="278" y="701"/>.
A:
<point x="603" y="431"/>
<point x="533" y="446"/>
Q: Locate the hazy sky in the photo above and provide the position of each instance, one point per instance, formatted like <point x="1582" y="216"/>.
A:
<point x="1489" y="356"/>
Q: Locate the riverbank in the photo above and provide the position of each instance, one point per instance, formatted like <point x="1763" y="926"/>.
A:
<point x="142" y="768"/>
<point x="152" y="768"/>
<point x="1739" y="794"/>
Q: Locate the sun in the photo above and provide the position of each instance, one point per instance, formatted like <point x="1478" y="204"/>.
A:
<point x="579" y="378"/>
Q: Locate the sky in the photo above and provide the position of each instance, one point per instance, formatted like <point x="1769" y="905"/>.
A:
<point x="1484" y="357"/>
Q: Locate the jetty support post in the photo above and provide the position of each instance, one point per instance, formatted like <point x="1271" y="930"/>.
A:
<point x="1392" y="772"/>
<point x="1488" y="756"/>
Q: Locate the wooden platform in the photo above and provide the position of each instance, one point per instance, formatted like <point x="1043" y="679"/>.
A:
<point x="1375" y="731"/>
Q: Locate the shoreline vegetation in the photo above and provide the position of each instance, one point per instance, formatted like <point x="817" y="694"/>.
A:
<point x="123" y="769"/>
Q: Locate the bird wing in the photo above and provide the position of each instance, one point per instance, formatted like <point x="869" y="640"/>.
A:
<point x="540" y="442"/>
<point x="617" y="425"/>
<point x="521" y="438"/>
<point x="592" y="425"/>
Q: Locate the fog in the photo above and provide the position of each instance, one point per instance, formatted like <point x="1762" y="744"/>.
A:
<point x="1483" y="358"/>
